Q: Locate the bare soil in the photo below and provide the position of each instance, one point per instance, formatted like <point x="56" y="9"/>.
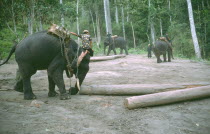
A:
<point x="91" y="114"/>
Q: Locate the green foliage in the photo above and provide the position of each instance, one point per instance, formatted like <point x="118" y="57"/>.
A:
<point x="139" y="13"/>
<point x="6" y="38"/>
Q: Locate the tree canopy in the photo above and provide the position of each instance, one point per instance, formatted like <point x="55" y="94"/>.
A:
<point x="20" y="18"/>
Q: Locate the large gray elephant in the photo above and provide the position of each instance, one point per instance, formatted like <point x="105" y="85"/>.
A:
<point x="162" y="48"/>
<point x="117" y="42"/>
<point x="42" y="51"/>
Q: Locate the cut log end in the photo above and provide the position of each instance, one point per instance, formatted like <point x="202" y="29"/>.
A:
<point x="126" y="103"/>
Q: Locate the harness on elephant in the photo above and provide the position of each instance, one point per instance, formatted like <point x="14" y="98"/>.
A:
<point x="64" y="37"/>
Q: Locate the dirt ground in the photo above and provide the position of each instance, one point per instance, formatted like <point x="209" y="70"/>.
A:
<point x="94" y="114"/>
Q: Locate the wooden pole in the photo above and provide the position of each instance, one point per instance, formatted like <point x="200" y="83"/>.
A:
<point x="167" y="97"/>
<point x="133" y="89"/>
<point x="103" y="58"/>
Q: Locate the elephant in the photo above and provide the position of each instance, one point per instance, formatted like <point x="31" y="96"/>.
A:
<point x="115" y="42"/>
<point x="42" y="51"/>
<point x="162" y="48"/>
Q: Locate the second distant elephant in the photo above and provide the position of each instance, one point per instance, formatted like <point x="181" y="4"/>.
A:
<point x="162" y="48"/>
<point x="116" y="42"/>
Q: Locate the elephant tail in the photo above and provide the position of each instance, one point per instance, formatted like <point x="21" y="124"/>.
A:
<point x="10" y="54"/>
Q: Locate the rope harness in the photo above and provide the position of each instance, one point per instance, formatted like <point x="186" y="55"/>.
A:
<point x="64" y="38"/>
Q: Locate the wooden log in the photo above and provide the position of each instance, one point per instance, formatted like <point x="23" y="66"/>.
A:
<point x="103" y="58"/>
<point x="128" y="89"/>
<point x="167" y="97"/>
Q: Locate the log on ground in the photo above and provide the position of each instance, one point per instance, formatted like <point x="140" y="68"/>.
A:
<point x="167" y="97"/>
<point x="129" y="89"/>
<point x="103" y="58"/>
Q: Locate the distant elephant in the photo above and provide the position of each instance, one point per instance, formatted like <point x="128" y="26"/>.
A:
<point x="162" y="48"/>
<point x="42" y="51"/>
<point x="117" y="42"/>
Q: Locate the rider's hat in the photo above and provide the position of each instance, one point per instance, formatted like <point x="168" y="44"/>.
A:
<point x="85" y="31"/>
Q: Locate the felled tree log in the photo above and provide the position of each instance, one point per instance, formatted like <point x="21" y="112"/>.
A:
<point x="103" y="58"/>
<point x="167" y="97"/>
<point x="128" y="89"/>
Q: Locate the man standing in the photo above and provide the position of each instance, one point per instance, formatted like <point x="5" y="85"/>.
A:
<point x="149" y="49"/>
<point x="86" y="41"/>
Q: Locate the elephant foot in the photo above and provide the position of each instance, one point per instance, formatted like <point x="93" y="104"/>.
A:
<point x="73" y="91"/>
<point x="18" y="88"/>
<point x="64" y="96"/>
<point x="29" y="96"/>
<point x="52" y="94"/>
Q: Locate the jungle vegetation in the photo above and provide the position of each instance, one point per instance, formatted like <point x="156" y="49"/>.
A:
<point x="140" y="22"/>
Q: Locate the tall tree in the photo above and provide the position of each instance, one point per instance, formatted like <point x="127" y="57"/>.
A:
<point x="62" y="15"/>
<point x="152" y="28"/>
<point x="107" y="17"/>
<point x="193" y="31"/>
<point x="78" y="18"/>
<point x="123" y="22"/>
<point x="116" y="12"/>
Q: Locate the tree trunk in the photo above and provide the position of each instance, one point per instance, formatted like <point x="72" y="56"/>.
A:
<point x="193" y="31"/>
<point x="78" y="21"/>
<point x="134" y="40"/>
<point x="116" y="13"/>
<point x="31" y="17"/>
<point x="13" y="17"/>
<point x="123" y="25"/>
<point x="161" y="28"/>
<point x="98" y="28"/>
<point x="94" y="29"/>
<point x="169" y="7"/>
<point x="103" y="58"/>
<point x="132" y="89"/>
<point x="167" y="97"/>
<point x="107" y="17"/>
<point x="62" y="16"/>
<point x="127" y="18"/>
<point x="152" y="28"/>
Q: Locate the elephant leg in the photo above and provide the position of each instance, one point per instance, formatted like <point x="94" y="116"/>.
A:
<point x="104" y="49"/>
<point x="109" y="50"/>
<point x="126" y="51"/>
<point x="57" y="77"/>
<point x="52" y="92"/>
<point x="25" y="72"/>
<point x="121" y="51"/>
<point x="28" y="93"/>
<point x="114" y="51"/>
<point x="19" y="82"/>
<point x="164" y="57"/>
<point x="19" y="86"/>
<point x="158" y="59"/>
<point x="169" y="56"/>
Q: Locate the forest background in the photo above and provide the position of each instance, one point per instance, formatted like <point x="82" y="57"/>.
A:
<point x="140" y="22"/>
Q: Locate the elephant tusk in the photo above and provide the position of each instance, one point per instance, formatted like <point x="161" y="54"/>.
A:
<point x="78" y="85"/>
<point x="82" y="55"/>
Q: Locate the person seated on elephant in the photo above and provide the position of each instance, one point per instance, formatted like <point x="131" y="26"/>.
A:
<point x="86" y="42"/>
<point x="114" y="37"/>
<point x="149" y="50"/>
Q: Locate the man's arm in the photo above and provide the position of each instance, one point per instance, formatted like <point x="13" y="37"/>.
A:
<point x="75" y="34"/>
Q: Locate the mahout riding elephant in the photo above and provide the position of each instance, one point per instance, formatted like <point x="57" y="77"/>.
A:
<point x="42" y="51"/>
<point x="162" y="48"/>
<point x="115" y="42"/>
